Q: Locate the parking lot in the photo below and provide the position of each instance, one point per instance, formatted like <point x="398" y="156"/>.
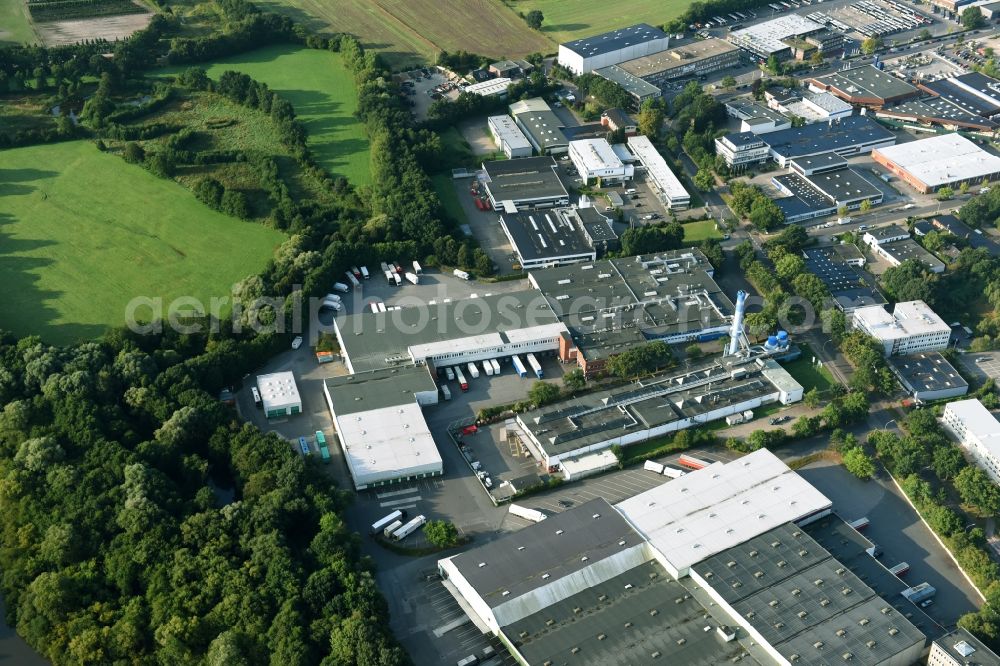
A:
<point x="420" y="85"/>
<point x="981" y="365"/>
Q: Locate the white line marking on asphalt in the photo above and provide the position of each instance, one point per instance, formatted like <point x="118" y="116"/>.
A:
<point x="455" y="624"/>
<point x="396" y="503"/>
<point x="394" y="493"/>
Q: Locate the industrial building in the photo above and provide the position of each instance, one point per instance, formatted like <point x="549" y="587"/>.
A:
<point x="715" y="567"/>
<point x="865" y="85"/>
<point x="658" y="405"/>
<point x="937" y="111"/>
<point x="887" y="234"/>
<point x="742" y="150"/>
<point x="616" y="119"/>
<point x="638" y="89"/>
<point x="665" y="184"/>
<point x="612" y="304"/>
<point x="911" y="327"/>
<point x="817" y="164"/>
<point x="855" y="135"/>
<point x="756" y="118"/>
<point x="690" y="60"/>
<point x="279" y="394"/>
<point x="450" y="332"/>
<point x="596" y="161"/>
<point x="610" y="48"/>
<point x="973" y="93"/>
<point x="512" y="69"/>
<point x="558" y="237"/>
<point x="978" y="431"/>
<point x="960" y="648"/>
<point x="939" y="161"/>
<point x="770" y="37"/>
<point x="824" y="190"/>
<point x="814" y="107"/>
<point x="489" y="88"/>
<point x="928" y="376"/>
<point x="976" y="239"/>
<point x="528" y="182"/>
<point x="508" y="137"/>
<point x="899" y="251"/>
<point x="540" y="125"/>
<point x="839" y="268"/>
<point x="381" y="427"/>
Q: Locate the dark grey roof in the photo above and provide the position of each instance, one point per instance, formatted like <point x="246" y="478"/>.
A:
<point x="587" y="131"/>
<point x="631" y="83"/>
<point x="953" y="89"/>
<point x="618" y="116"/>
<point x="623" y="622"/>
<point x="965" y="648"/>
<point x="548" y="233"/>
<point x="867" y="81"/>
<point x="744" y="139"/>
<point x="908" y="248"/>
<point x="959" y="229"/>
<point x="927" y="371"/>
<point x="844" y="186"/>
<point x="888" y="231"/>
<point x="606" y="42"/>
<point x="525" y="178"/>
<point x="941" y="110"/>
<point x="822" y="161"/>
<point x="805" y="602"/>
<point x="542" y="553"/>
<point x="365" y="391"/>
<point x="822" y="137"/>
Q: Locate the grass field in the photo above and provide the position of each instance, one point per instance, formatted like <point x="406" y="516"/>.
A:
<point x="566" y="20"/>
<point x="806" y="373"/>
<point x="321" y="89"/>
<point x="699" y="231"/>
<point x="82" y="233"/>
<point x="415" y="31"/>
<point x="444" y="185"/>
<point x="15" y="23"/>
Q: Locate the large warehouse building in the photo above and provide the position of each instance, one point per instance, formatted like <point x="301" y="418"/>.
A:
<point x="772" y="37"/>
<point x="710" y="568"/>
<point x="528" y="182"/>
<point x="666" y="185"/>
<point x="946" y="160"/>
<point x="865" y="85"/>
<point x="582" y="56"/>
<point x="596" y="161"/>
<point x="541" y="126"/>
<point x="558" y="237"/>
<point x="381" y="427"/>
<point x="508" y="137"/>
<point x="695" y="59"/>
<point x="911" y="327"/>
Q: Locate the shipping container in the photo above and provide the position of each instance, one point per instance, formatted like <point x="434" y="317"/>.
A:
<point x="859" y="524"/>
<point x="518" y="366"/>
<point x="734" y="419"/>
<point x="462" y="382"/>
<point x="653" y="466"/>
<point x="413" y="278"/>
<point x="320" y="438"/>
<point x="673" y="471"/>
<point x="473" y="370"/>
<point x="417" y="268"/>
<point x="900" y="569"/>
<point x="380" y="524"/>
<point x="398" y="280"/>
<point x="409" y="528"/>
<point x="304" y="446"/>
<point x="391" y="527"/>
<point x="341" y="287"/>
<point x="535" y="365"/>
<point x="450" y="374"/>
<point x="446" y="392"/>
<point x="324" y="451"/>
<point x="534" y="515"/>
<point x="385" y="267"/>
<point x="460" y="274"/>
<point x="694" y="462"/>
<point x="364" y="272"/>
<point x="324" y="357"/>
<point x="488" y="368"/>
<point x="496" y="366"/>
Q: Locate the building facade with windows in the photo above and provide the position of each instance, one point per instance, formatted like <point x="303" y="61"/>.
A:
<point x="978" y="432"/>
<point x="911" y="327"/>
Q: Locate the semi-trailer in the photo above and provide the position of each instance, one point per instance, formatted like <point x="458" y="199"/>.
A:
<point x="364" y="272"/>
<point x="412" y="278"/>
<point x="496" y="366"/>
<point x="535" y="365"/>
<point x="398" y="280"/>
<point x="460" y="274"/>
<point x="446" y="392"/>
<point x="519" y="366"/>
<point x="353" y="280"/>
<point x="388" y="277"/>
<point x="304" y="446"/>
<point x="409" y="528"/>
<point x="673" y="471"/>
<point x="694" y="462"/>
<point x="380" y="524"/>
<point x="653" y="466"/>
<point x="488" y="368"/>
<point x="417" y="268"/>
<point x="392" y="527"/>
<point x="473" y="370"/>
<point x="461" y="379"/>
<point x="533" y="515"/>
<point x="356" y="272"/>
<point x="385" y="267"/>
<point x="450" y="374"/>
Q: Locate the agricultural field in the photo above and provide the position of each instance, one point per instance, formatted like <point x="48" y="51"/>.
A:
<point x="15" y="23"/>
<point x="111" y="28"/>
<point x="62" y="10"/>
<point x="410" y="32"/>
<point x="82" y="233"/>
<point x="566" y="20"/>
<point x="321" y="89"/>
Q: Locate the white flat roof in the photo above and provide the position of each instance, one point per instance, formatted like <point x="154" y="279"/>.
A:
<point x="596" y="154"/>
<point x="278" y="390"/>
<point x="490" y="87"/>
<point x="533" y="105"/>
<point x="907" y="319"/>
<point x="656" y="167"/>
<point x="484" y="341"/>
<point x="387" y="443"/>
<point x="768" y="35"/>
<point x="979" y="423"/>
<point x="509" y="132"/>
<point x="707" y="511"/>
<point x="942" y="159"/>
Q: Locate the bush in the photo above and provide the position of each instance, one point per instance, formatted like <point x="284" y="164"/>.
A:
<point x="441" y="533"/>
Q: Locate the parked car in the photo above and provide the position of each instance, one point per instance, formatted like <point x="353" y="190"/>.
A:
<point x="297" y="342"/>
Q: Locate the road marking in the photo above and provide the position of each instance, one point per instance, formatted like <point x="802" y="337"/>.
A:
<point x="395" y="493"/>
<point x="454" y="624"/>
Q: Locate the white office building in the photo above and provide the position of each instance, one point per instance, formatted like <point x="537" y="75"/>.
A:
<point x="911" y="327"/>
<point x="509" y="137"/>
<point x="582" y="56"/>
<point x="665" y="183"/>
<point x="978" y="431"/>
<point x="595" y="160"/>
<point x="279" y="394"/>
<point x="490" y="87"/>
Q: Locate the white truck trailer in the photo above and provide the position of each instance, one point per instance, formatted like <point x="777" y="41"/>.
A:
<point x="409" y="528"/>
<point x="519" y="366"/>
<point x="534" y="515"/>
<point x="412" y="278"/>
<point x="460" y="274"/>
<point x="496" y="366"/>
<point x="473" y="370"/>
<point x="535" y="365"/>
